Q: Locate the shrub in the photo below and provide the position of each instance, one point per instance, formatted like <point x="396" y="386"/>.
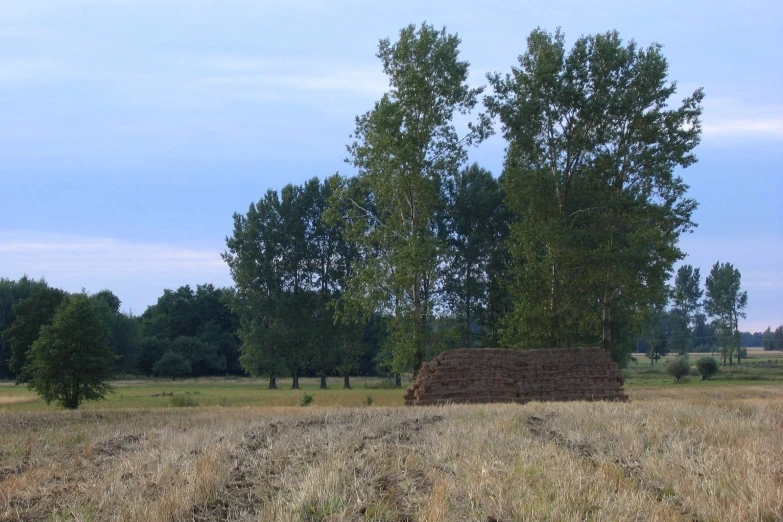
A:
<point x="679" y="368"/>
<point x="183" y="401"/>
<point x="368" y="400"/>
<point x="707" y="367"/>
<point x="172" y="364"/>
<point x="305" y="400"/>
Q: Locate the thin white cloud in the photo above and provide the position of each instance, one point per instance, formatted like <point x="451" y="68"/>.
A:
<point x="274" y="78"/>
<point x="73" y="254"/>
<point x="136" y="272"/>
<point x="737" y="118"/>
<point x="771" y="127"/>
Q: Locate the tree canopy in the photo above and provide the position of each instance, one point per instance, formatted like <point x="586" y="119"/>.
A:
<point x="71" y="360"/>
<point x="407" y="147"/>
<point x="590" y="177"/>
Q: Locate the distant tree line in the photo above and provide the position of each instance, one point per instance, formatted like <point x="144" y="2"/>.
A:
<point x="187" y="333"/>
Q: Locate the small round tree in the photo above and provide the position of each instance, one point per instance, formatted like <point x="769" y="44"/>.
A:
<point x="707" y="367"/>
<point x="679" y="368"/>
<point x="172" y="364"/>
<point x="71" y="361"/>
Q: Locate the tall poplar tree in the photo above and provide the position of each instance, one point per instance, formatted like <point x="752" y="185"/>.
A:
<point x="686" y="295"/>
<point x="405" y="148"/>
<point x="726" y="302"/>
<point x="590" y="177"/>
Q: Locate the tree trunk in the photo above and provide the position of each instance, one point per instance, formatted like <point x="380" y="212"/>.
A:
<point x="418" y="330"/>
<point x="323" y="383"/>
<point x="295" y="383"/>
<point x="468" y="343"/>
<point x="606" y="326"/>
<point x="346" y="381"/>
<point x="553" y="335"/>
<point x="272" y="382"/>
<point x="397" y="380"/>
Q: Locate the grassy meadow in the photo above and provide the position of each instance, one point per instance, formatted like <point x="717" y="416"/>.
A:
<point x="697" y="450"/>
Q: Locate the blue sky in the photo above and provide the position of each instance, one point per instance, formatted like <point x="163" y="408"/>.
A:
<point x="133" y="129"/>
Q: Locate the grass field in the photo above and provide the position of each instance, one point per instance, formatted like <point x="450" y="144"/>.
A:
<point x="162" y="393"/>
<point x="692" y="451"/>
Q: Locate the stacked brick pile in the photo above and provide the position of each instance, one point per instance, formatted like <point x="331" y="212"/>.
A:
<point x="498" y="375"/>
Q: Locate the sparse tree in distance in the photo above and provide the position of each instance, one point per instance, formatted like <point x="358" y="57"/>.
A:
<point x="656" y="334"/>
<point x="777" y="338"/>
<point x="590" y="177"/>
<point x="725" y="301"/>
<point x="685" y="294"/>
<point x="71" y="361"/>
<point x="768" y="339"/>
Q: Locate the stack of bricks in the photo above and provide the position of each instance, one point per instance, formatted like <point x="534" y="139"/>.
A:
<point x="481" y="375"/>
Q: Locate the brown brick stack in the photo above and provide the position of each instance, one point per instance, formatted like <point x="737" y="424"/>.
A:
<point x="480" y="375"/>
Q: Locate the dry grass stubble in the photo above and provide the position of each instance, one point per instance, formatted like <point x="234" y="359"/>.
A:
<point x="655" y="459"/>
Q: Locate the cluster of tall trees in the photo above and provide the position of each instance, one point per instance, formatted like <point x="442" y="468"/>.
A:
<point x="572" y="244"/>
<point x="699" y="319"/>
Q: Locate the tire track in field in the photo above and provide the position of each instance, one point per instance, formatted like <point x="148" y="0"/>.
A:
<point x="256" y="476"/>
<point x="543" y="429"/>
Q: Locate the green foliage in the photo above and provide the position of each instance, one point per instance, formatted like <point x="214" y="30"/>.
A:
<point x="726" y="303"/>
<point x="589" y="177"/>
<point x="768" y="340"/>
<point x="305" y="399"/>
<point x="71" y="361"/>
<point x="707" y="367"/>
<point x="290" y="267"/>
<point x="685" y="294"/>
<point x="204" y="358"/>
<point x="778" y="338"/>
<point x="679" y="367"/>
<point x="30" y="315"/>
<point x="150" y="350"/>
<point x="368" y="400"/>
<point x="475" y="229"/>
<point x="656" y="334"/>
<point x="406" y="148"/>
<point x="197" y="324"/>
<point x="11" y="294"/>
<point x="172" y="364"/>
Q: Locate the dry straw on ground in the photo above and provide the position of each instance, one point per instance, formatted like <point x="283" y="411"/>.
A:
<point x="688" y="457"/>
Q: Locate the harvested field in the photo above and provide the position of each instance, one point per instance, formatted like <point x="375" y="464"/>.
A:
<point x="689" y="457"/>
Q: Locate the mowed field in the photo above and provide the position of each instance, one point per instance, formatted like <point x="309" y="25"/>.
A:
<point x="693" y="451"/>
